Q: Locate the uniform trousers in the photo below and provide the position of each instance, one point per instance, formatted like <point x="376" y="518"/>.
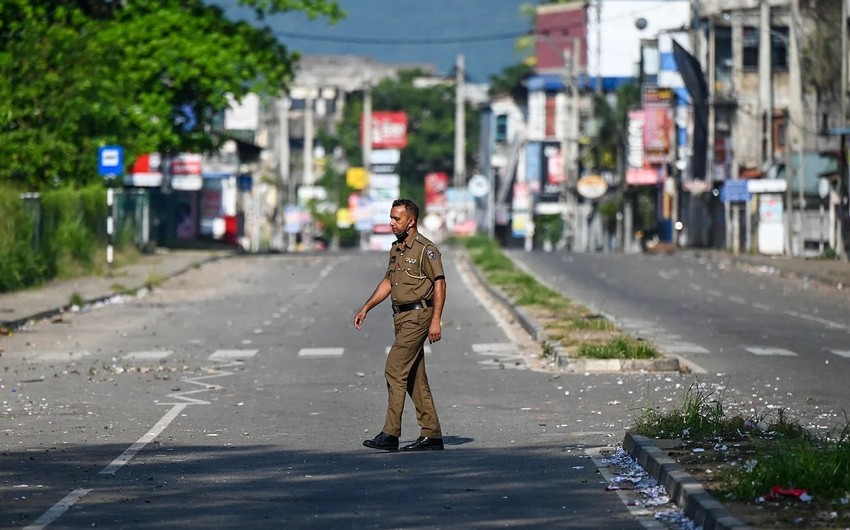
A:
<point x="405" y="374"/>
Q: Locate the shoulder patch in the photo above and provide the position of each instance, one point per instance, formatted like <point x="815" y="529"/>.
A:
<point x="431" y="254"/>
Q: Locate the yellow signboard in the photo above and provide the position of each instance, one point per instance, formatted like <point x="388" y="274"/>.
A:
<point x="357" y="178"/>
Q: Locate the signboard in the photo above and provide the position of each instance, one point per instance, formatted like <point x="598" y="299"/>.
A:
<point x="186" y="172"/>
<point x="592" y="186"/>
<point x="146" y="171"/>
<point x="735" y="191"/>
<point x="110" y="161"/>
<point x="436" y="184"/>
<point x="479" y="186"/>
<point x="389" y="130"/>
<point x="356" y="178"/>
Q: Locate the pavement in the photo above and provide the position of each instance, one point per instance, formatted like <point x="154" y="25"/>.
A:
<point x="18" y="308"/>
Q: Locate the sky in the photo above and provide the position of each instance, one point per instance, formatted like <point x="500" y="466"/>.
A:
<point x="410" y="31"/>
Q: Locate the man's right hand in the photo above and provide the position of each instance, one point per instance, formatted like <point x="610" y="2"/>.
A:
<point x="359" y="318"/>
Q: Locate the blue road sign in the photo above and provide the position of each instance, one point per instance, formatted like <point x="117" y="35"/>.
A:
<point x="734" y="191"/>
<point x="110" y="160"/>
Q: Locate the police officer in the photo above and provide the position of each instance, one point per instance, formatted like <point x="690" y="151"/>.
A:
<point x="417" y="285"/>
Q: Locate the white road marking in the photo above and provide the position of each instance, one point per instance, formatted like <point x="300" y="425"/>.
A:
<point x="58" y="509"/>
<point x="59" y="356"/>
<point x="426" y="347"/>
<point x="682" y="347"/>
<point x="230" y="355"/>
<point x="494" y="347"/>
<point x="148" y="437"/>
<point x="758" y="350"/>
<point x="842" y="353"/>
<point x="737" y="299"/>
<point x="146" y="355"/>
<point x="819" y="320"/>
<point x="505" y="363"/>
<point x="321" y="352"/>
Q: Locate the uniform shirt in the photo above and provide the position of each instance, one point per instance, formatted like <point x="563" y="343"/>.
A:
<point x="413" y="269"/>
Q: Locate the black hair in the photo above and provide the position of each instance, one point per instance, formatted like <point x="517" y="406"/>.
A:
<point x="409" y="205"/>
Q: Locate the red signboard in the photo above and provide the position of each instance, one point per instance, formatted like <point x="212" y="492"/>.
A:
<point x="389" y="130"/>
<point x="436" y="185"/>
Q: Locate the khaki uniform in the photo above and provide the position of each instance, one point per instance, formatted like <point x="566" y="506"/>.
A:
<point x="412" y="270"/>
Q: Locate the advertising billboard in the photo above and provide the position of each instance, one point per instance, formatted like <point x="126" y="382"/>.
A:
<point x="389" y="130"/>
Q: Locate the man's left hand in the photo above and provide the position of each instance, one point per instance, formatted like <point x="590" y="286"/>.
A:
<point x="435" y="332"/>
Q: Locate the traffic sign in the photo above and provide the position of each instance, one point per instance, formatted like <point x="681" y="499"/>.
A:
<point x="735" y="191"/>
<point x="110" y="160"/>
<point x="479" y="186"/>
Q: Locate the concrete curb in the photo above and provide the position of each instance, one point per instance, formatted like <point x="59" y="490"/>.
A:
<point x="667" y="364"/>
<point x="681" y="487"/>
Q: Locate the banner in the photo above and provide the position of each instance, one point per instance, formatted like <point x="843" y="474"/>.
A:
<point x="389" y="130"/>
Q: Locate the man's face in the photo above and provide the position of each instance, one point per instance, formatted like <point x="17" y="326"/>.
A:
<point x="400" y="220"/>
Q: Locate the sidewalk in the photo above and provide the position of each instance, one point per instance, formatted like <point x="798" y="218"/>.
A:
<point x="17" y="308"/>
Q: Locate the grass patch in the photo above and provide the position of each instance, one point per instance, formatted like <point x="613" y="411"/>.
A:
<point x="592" y="323"/>
<point x="757" y="454"/>
<point x="76" y="299"/>
<point x="701" y="415"/>
<point x="155" y="279"/>
<point x="621" y="347"/>
<point x="587" y="333"/>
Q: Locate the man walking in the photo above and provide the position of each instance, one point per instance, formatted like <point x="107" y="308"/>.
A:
<point x="417" y="285"/>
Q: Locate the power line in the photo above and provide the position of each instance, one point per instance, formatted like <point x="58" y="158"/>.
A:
<point x="380" y="42"/>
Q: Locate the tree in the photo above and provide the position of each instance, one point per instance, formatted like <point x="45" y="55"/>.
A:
<point x="430" y="128"/>
<point x="612" y="126"/>
<point x="149" y="75"/>
<point x="510" y="80"/>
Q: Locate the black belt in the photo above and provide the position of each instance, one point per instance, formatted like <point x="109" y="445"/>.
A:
<point x="401" y="308"/>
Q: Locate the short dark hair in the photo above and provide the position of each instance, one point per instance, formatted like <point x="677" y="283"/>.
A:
<point x="409" y="205"/>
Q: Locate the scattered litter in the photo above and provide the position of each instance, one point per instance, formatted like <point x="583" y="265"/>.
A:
<point x="777" y="492"/>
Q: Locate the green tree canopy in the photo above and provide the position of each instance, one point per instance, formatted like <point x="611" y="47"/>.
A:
<point x="430" y="128"/>
<point x="151" y="75"/>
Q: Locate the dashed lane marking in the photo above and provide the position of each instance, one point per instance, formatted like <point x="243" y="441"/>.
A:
<point x="503" y="356"/>
<point x="758" y="350"/>
<point x="146" y="355"/>
<point x="494" y="347"/>
<point x="232" y="355"/>
<point x="59" y="356"/>
<point x="682" y="347"/>
<point x="427" y="350"/>
<point x="842" y="353"/>
<point x="321" y="352"/>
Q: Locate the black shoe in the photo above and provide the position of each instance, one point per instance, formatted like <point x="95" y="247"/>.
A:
<point x="383" y="442"/>
<point x="423" y="443"/>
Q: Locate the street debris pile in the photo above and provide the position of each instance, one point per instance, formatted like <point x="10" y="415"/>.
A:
<point x="628" y="475"/>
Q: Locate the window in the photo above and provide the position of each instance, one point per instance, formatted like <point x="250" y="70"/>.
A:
<point x="778" y="48"/>
<point x="501" y="128"/>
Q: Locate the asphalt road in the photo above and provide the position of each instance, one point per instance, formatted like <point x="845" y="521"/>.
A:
<point x="238" y="394"/>
<point x="758" y="342"/>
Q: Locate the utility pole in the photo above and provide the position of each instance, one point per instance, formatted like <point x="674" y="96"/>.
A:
<point x="795" y="113"/>
<point x="575" y="69"/>
<point x="309" y="137"/>
<point x="283" y="168"/>
<point x="598" y="86"/>
<point x="766" y="82"/>
<point x="366" y="148"/>
<point x="460" y="124"/>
